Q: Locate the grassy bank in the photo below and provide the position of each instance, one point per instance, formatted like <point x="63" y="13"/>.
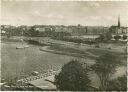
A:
<point x="59" y="49"/>
<point x="78" y="55"/>
<point x="85" y="53"/>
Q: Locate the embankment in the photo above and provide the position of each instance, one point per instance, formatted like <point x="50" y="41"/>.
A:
<point x="66" y="51"/>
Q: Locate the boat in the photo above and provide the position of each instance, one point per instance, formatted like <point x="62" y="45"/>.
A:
<point x="22" y="47"/>
<point x="26" y="46"/>
<point x="35" y="73"/>
<point x="19" y="47"/>
<point x="23" y="44"/>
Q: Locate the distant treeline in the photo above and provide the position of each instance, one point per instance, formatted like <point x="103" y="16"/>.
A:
<point x="75" y="40"/>
<point x="31" y="32"/>
<point x="37" y="30"/>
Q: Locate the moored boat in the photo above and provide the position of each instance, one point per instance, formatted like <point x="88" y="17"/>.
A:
<point x="26" y="46"/>
<point x="19" y="47"/>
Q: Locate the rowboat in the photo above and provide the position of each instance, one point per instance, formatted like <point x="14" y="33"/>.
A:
<point x="19" y="47"/>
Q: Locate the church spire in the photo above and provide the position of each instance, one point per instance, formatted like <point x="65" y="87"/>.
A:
<point x="119" y="21"/>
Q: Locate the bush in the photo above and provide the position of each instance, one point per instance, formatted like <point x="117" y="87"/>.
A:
<point x="117" y="37"/>
<point x="119" y="84"/>
<point x="105" y="67"/>
<point x="73" y="77"/>
<point x="124" y="37"/>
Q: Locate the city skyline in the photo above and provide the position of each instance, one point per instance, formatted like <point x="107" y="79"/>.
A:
<point x="86" y="13"/>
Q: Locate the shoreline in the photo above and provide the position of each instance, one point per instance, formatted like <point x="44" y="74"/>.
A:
<point x="78" y="55"/>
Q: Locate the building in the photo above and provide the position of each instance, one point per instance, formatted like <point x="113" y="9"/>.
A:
<point x="119" y="31"/>
<point x="40" y="29"/>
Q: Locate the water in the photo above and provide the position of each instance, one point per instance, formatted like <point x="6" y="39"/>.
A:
<point x="18" y="62"/>
<point x="88" y="36"/>
<point x="24" y="61"/>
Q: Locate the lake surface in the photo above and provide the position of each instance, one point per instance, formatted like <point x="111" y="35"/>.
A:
<point x="19" y="61"/>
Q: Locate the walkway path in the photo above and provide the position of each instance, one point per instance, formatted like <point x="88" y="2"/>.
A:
<point x="44" y="75"/>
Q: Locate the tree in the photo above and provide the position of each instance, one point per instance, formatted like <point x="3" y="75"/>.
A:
<point x="124" y="37"/>
<point x="108" y="36"/>
<point x="104" y="37"/>
<point x="119" y="84"/>
<point x="32" y="32"/>
<point x="8" y="33"/>
<point x="73" y="77"/>
<point x="104" y="67"/>
<point x="100" y="38"/>
<point x="117" y="37"/>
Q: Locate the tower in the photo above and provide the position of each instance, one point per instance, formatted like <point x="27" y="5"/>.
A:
<point x="119" y="21"/>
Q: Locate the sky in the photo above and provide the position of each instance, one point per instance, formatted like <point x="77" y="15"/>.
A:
<point x="87" y="13"/>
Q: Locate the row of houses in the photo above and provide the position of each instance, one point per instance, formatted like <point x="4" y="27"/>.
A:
<point x="74" y="30"/>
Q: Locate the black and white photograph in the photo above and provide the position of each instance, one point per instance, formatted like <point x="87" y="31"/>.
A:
<point x="49" y="45"/>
